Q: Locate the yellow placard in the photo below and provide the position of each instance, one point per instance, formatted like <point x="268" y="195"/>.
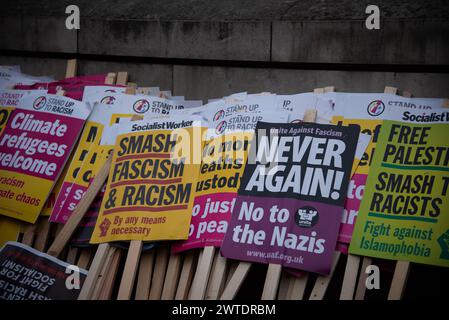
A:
<point x="151" y="186"/>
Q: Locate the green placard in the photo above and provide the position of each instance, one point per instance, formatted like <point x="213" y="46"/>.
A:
<point x="404" y="214"/>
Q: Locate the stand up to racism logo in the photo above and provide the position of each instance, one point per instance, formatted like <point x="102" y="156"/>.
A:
<point x="376" y="108"/>
<point x="141" y="106"/>
<point x="39" y="103"/>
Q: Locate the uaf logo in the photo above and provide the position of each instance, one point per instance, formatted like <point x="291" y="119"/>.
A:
<point x="108" y="100"/>
<point x="39" y="103"/>
<point x="376" y="108"/>
<point x="219" y="115"/>
<point x="221" y="127"/>
<point x="306" y="217"/>
<point x="141" y="106"/>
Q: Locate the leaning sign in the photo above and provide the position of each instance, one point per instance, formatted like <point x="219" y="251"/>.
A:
<point x="403" y="214"/>
<point x="34" y="147"/>
<point x="151" y="186"/>
<point x="290" y="201"/>
<point x="28" y="274"/>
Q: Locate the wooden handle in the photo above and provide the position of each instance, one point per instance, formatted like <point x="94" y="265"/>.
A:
<point x="71" y="68"/>
<point x="69" y="228"/>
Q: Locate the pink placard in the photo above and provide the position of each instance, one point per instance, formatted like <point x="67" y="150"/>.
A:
<point x="210" y="219"/>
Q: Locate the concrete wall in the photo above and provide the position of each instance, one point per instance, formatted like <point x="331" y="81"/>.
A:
<point x="309" y="31"/>
<point x="204" y="49"/>
<point x="203" y="82"/>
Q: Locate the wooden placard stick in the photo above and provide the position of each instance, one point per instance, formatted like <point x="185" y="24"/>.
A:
<point x="129" y="273"/>
<point x="297" y="287"/>
<point x="284" y="284"/>
<point x="186" y="277"/>
<point x="69" y="228"/>
<point x="274" y="270"/>
<point x="271" y="285"/>
<point x="201" y="278"/>
<point x="28" y="234"/>
<point x="103" y="273"/>
<point x="361" y="284"/>
<point x="135" y="248"/>
<point x="399" y="280"/>
<point x="132" y="85"/>
<point x="160" y="269"/>
<point x="110" y="78"/>
<point x="43" y="234"/>
<point x="217" y="277"/>
<point x="132" y="260"/>
<point x="94" y="271"/>
<point x="233" y="264"/>
<point x="172" y="277"/>
<point x="200" y="255"/>
<point x="145" y="274"/>
<point x="85" y="256"/>
<point x="108" y="285"/>
<point x="390" y="90"/>
<point x="402" y="269"/>
<point x="122" y="78"/>
<point x="130" y="90"/>
<point x="350" y="278"/>
<point x="72" y="65"/>
<point x="55" y="231"/>
<point x="322" y="282"/>
<point x="72" y="255"/>
<point x="233" y="286"/>
<point x="329" y="89"/>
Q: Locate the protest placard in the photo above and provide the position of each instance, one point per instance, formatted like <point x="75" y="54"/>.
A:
<point x="28" y="274"/>
<point x="400" y="216"/>
<point x="231" y="126"/>
<point x="90" y="155"/>
<point x="91" y="94"/>
<point x="9" y="100"/>
<point x="368" y="111"/>
<point x="86" y="161"/>
<point x="290" y="200"/>
<point x="34" y="147"/>
<point x="223" y="160"/>
<point x="149" y="195"/>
